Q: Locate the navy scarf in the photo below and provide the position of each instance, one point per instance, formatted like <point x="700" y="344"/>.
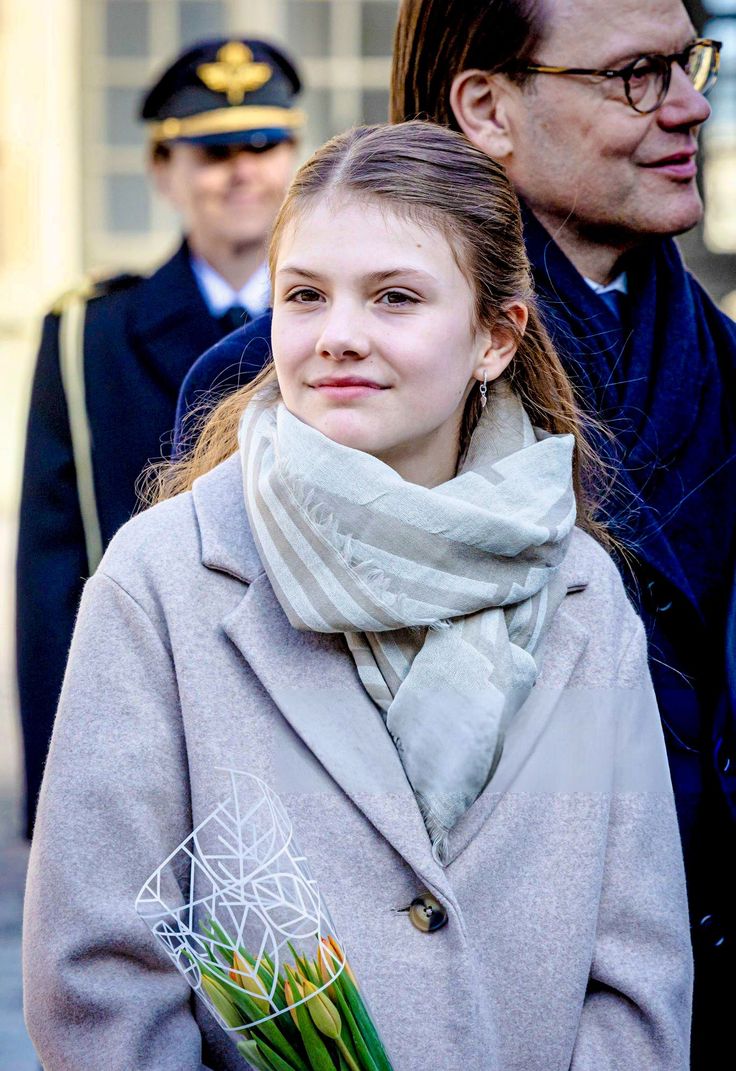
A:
<point x="664" y="381"/>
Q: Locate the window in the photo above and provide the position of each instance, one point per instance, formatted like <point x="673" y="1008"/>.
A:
<point x="343" y="48"/>
<point x="377" y="22"/>
<point x="308" y="23"/>
<point x="719" y="136"/>
<point x="201" y="18"/>
<point x="126" y="28"/>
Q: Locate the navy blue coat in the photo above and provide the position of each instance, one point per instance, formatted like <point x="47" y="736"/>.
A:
<point x="141" y="337"/>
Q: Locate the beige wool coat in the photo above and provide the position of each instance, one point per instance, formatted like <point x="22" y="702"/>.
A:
<point x="567" y="942"/>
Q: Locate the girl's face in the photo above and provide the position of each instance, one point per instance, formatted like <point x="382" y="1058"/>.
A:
<point x="374" y="338"/>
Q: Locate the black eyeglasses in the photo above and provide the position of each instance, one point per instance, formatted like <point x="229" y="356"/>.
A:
<point x="647" y="79"/>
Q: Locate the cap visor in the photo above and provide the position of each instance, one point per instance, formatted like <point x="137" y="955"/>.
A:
<point x="258" y="139"/>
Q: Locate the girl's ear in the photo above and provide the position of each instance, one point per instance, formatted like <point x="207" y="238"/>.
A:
<point x="481" y="103"/>
<point x="503" y="341"/>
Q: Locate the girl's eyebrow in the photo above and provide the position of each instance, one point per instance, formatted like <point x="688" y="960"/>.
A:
<point x="376" y="277"/>
<point x="296" y="269"/>
<point x="373" y="278"/>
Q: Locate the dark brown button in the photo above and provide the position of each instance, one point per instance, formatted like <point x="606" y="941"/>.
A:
<point x="427" y="914"/>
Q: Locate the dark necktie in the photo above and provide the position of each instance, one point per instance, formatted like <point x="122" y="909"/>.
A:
<point x="234" y="318"/>
<point x="617" y="303"/>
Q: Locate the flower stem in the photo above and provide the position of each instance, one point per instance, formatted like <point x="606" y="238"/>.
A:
<point x="346" y="1054"/>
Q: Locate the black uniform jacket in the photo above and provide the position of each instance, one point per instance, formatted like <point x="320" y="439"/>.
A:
<point x="141" y="336"/>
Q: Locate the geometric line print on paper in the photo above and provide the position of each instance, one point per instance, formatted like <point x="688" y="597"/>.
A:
<point x="239" y="869"/>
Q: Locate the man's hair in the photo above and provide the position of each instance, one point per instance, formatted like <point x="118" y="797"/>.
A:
<point x="159" y="152"/>
<point x="436" y="40"/>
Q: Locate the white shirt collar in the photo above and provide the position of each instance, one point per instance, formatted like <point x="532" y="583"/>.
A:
<point x="621" y="283"/>
<point x="255" y="296"/>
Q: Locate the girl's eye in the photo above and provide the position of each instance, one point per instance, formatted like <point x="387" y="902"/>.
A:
<point x="398" y="297"/>
<point x="304" y="296"/>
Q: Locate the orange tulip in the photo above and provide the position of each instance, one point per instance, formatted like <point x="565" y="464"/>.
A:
<point x="326" y="1018"/>
<point x="290" y="987"/>
<point x="325" y="1015"/>
<point x="220" y="999"/>
<point x="246" y="978"/>
<point x="328" y="965"/>
<point x="341" y="956"/>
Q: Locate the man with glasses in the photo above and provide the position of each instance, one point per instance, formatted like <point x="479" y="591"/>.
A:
<point x="594" y="108"/>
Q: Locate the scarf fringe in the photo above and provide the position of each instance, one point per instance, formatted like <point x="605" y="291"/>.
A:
<point x="439" y="831"/>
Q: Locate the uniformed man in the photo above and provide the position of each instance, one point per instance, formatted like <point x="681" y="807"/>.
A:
<point x="223" y="123"/>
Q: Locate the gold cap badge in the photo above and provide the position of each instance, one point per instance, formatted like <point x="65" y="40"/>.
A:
<point x="235" y="72"/>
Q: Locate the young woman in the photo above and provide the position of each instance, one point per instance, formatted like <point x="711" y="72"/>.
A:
<point x="374" y="598"/>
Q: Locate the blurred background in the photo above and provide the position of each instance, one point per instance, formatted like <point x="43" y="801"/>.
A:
<point x="74" y="198"/>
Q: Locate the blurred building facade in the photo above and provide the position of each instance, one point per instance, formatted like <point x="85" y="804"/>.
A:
<point x="344" y="47"/>
<point x="710" y="249"/>
<point x="73" y="190"/>
<point x="74" y="196"/>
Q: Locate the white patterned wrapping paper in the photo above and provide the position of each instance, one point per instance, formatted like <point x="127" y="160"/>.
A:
<point x="241" y="868"/>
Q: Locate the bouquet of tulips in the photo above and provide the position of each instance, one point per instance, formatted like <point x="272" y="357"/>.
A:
<point x="254" y="940"/>
<point x="327" y="1028"/>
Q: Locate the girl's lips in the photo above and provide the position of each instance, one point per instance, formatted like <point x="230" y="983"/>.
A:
<point x="346" y="390"/>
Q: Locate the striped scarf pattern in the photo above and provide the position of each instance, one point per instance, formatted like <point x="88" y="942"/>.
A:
<point x="444" y="594"/>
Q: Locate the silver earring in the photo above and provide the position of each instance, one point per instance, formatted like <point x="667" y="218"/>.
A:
<point x="484" y="390"/>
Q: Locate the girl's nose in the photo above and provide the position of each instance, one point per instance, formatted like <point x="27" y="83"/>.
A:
<point x="343" y="337"/>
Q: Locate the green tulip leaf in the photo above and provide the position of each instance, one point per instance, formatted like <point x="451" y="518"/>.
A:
<point x="269" y="1028"/>
<point x="274" y="1059"/>
<point x="317" y="1051"/>
<point x="362" y="1049"/>
<point x="218" y="935"/>
<point x="249" y="1049"/>
<point x="364" y="1022"/>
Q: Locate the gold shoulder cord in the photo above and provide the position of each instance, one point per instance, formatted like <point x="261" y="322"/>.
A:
<point x="71" y="360"/>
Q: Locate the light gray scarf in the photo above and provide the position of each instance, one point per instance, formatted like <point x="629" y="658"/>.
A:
<point x="444" y="593"/>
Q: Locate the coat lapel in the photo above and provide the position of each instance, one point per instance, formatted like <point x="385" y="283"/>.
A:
<point x="523" y="737"/>
<point x="173" y="325"/>
<point x="312" y="680"/>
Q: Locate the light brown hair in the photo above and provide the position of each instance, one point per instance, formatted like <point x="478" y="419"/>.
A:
<point x="437" y="178"/>
<point x="436" y="40"/>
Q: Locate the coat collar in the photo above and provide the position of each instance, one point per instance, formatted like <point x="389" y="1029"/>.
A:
<point x="226" y="540"/>
<point x="170" y="319"/>
<point x="172" y="292"/>
<point x="321" y="696"/>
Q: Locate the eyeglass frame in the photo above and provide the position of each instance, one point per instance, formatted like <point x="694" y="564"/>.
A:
<point x="626" y="72"/>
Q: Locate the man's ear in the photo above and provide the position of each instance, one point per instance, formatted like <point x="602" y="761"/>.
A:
<point x="480" y="102"/>
<point x="159" y="171"/>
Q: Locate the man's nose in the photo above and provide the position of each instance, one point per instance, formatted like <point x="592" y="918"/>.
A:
<point x="343" y="335"/>
<point x="243" y="163"/>
<point x="683" y="106"/>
